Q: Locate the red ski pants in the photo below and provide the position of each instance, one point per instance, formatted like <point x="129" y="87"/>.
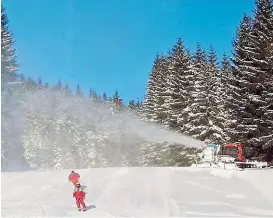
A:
<point x="80" y="202"/>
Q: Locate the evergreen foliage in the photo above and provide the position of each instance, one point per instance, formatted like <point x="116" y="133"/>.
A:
<point x="190" y="93"/>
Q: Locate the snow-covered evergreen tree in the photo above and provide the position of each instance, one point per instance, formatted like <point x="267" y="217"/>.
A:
<point x="155" y="154"/>
<point x="215" y="99"/>
<point x="250" y="85"/>
<point x="9" y="65"/>
<point x="179" y="83"/>
<point x="155" y="83"/>
<point x="236" y="87"/>
<point x="261" y="40"/>
<point x="196" y="121"/>
<point x="154" y="105"/>
<point x="11" y="99"/>
<point x="161" y="107"/>
<point x="225" y="75"/>
<point x="180" y="155"/>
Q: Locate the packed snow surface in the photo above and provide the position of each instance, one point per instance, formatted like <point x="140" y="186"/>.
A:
<point x="140" y="192"/>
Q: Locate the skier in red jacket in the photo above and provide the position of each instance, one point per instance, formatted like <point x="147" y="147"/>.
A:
<point x="79" y="193"/>
<point x="74" y="177"/>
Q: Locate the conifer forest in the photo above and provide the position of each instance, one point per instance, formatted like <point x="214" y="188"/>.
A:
<point x="212" y="99"/>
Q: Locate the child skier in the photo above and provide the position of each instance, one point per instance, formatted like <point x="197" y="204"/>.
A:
<point x="79" y="193"/>
<point x="74" y="177"/>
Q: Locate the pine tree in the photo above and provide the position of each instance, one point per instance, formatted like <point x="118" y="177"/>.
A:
<point x="225" y="75"/>
<point x="155" y="154"/>
<point x="250" y="84"/>
<point x="161" y="106"/>
<point x="240" y="43"/>
<point x="116" y="97"/>
<point x="154" y="93"/>
<point x="215" y="99"/>
<point x="117" y="100"/>
<point x="236" y="84"/>
<point x="261" y="39"/>
<point x="104" y="96"/>
<point x="226" y="69"/>
<point x="59" y="85"/>
<point x="9" y="65"/>
<point x="138" y="105"/>
<point x="40" y="83"/>
<point x="179" y="83"/>
<point x="11" y="98"/>
<point x="131" y="105"/>
<point x="196" y="121"/>
<point x="66" y="90"/>
<point x="93" y="96"/>
<point x="149" y="102"/>
<point x="79" y="91"/>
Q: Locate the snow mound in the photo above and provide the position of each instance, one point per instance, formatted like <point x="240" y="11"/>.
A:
<point x="140" y="192"/>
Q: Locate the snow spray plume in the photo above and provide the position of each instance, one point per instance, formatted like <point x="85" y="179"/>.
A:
<point x="104" y="118"/>
<point x="11" y="128"/>
<point x="62" y="131"/>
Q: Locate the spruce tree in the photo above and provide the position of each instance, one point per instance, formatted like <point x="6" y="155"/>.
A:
<point x="179" y="83"/>
<point x="215" y="101"/>
<point x="93" y="96"/>
<point x="104" y="96"/>
<point x="250" y="85"/>
<point x="59" y="85"/>
<point x="117" y="101"/>
<point x="79" y="91"/>
<point x="225" y="75"/>
<point x="261" y="39"/>
<point x="161" y="106"/>
<point x="196" y="121"/>
<point x="40" y="83"/>
<point x="149" y="104"/>
<point x="9" y="65"/>
<point x="236" y="84"/>
<point x="131" y="105"/>
<point x="66" y="90"/>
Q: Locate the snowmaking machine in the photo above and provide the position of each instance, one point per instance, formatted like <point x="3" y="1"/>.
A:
<point x="228" y="156"/>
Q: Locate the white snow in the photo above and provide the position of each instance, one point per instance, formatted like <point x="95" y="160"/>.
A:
<point x="140" y="192"/>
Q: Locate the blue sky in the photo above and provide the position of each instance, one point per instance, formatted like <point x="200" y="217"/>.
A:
<point x="111" y="44"/>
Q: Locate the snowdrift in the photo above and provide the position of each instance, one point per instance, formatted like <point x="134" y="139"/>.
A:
<point x="140" y="192"/>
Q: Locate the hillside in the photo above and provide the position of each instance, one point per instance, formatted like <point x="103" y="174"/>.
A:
<point x="140" y="192"/>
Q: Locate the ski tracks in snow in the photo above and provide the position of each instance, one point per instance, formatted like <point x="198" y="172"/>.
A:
<point x="138" y="191"/>
<point x="127" y="192"/>
<point x="27" y="202"/>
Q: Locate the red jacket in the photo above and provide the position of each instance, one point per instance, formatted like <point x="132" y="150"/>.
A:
<point x="74" y="177"/>
<point x="79" y="193"/>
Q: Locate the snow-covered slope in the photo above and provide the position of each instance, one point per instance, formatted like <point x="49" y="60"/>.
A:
<point x="141" y="192"/>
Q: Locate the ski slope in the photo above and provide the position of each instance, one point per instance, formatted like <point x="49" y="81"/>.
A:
<point x="140" y="192"/>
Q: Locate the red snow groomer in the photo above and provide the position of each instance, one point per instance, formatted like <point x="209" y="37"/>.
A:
<point x="234" y="150"/>
<point x="237" y="151"/>
<point x="227" y="155"/>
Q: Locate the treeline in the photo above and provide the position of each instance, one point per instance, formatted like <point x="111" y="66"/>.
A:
<point x="188" y="92"/>
<point x="33" y="85"/>
<point x="48" y="126"/>
<point x="220" y="103"/>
